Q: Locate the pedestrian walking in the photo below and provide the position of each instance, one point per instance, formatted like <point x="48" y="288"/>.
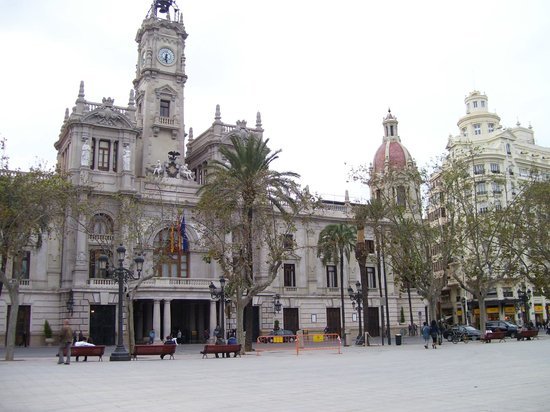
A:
<point x="65" y="342"/>
<point x="426" y="334"/>
<point x="434" y="331"/>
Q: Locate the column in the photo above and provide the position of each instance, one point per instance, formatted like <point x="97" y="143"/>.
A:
<point x="138" y="316"/>
<point x="213" y="317"/>
<point x="167" y="321"/>
<point x="156" y="319"/>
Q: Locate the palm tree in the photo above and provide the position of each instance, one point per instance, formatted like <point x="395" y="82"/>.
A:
<point x="242" y="185"/>
<point x="336" y="242"/>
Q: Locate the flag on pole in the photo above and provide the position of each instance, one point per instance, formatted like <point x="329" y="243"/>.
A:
<point x="184" y="239"/>
<point x="171" y="239"/>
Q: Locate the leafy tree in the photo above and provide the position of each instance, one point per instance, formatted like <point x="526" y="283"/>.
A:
<point x="482" y="256"/>
<point x="530" y="247"/>
<point x="244" y="210"/>
<point x="32" y="205"/>
<point x="336" y="242"/>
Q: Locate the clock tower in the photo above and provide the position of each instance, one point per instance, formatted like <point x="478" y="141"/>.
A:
<point x="159" y="84"/>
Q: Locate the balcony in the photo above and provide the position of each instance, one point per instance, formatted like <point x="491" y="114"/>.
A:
<point x="156" y="283"/>
<point x="170" y="123"/>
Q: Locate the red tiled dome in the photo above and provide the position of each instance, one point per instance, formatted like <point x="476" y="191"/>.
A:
<point x="394" y="152"/>
<point x="391" y="151"/>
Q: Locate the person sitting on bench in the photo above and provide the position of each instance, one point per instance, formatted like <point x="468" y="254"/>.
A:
<point x="83" y="342"/>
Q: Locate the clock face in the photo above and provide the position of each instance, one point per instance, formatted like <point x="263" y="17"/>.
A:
<point x="166" y="56"/>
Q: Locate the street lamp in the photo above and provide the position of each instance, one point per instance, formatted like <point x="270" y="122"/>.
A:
<point x="121" y="275"/>
<point x="219" y="294"/>
<point x="524" y="296"/>
<point x="357" y="300"/>
<point x="276" y="303"/>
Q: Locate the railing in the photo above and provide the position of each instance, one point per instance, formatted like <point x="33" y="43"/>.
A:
<point x="165" y="121"/>
<point x="156" y="283"/>
<point x="228" y="128"/>
<point x="94" y="106"/>
<point x="101" y="282"/>
<point x="171" y="282"/>
<point x="100" y="238"/>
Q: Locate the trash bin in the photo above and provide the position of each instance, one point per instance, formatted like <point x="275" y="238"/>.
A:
<point x="398" y="339"/>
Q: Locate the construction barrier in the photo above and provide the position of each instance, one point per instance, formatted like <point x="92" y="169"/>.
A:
<point x="276" y="342"/>
<point x="305" y="342"/>
<point x="319" y="341"/>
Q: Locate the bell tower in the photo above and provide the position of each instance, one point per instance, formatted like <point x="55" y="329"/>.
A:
<point x="159" y="84"/>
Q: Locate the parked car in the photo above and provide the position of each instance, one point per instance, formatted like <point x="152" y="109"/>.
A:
<point x="288" y="336"/>
<point x="470" y="331"/>
<point x="510" y="329"/>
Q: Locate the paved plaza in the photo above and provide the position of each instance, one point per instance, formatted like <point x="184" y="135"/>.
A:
<point x="508" y="376"/>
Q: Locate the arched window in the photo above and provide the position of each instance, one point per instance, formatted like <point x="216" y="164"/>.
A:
<point x="170" y="259"/>
<point x="400" y="196"/>
<point x="101" y="224"/>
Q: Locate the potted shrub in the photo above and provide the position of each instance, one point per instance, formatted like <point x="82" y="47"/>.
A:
<point x="48" y="334"/>
<point x="276" y="325"/>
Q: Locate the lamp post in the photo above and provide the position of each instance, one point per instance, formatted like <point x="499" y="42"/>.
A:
<point x="219" y="294"/>
<point x="277" y="303"/>
<point x="121" y="275"/>
<point x="524" y="296"/>
<point x="357" y="300"/>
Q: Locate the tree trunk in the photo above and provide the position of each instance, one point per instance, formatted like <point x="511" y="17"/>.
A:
<point x="410" y="304"/>
<point x="130" y="325"/>
<point x="13" y="292"/>
<point x="383" y="331"/>
<point x="249" y="322"/>
<point x="482" y="314"/>
<point x="239" y="308"/>
<point x="343" y="311"/>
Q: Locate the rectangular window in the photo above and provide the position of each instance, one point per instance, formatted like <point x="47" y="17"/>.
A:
<point x="483" y="209"/>
<point x="371" y="277"/>
<point x="482" y="103"/>
<point x="490" y="127"/>
<point x="498" y="205"/>
<point x="288" y="241"/>
<point x="496" y="187"/>
<point x="480" y="188"/>
<point x="289" y="275"/>
<point x="164" y="108"/>
<point x="332" y="276"/>
<point x="400" y="196"/>
<point x="103" y="154"/>
<point x="477" y="128"/>
<point x="94" y="270"/>
<point x="479" y="169"/>
<point x="495" y="168"/>
<point x="92" y="166"/>
<point x="508" y="148"/>
<point x="475" y="103"/>
<point x="184" y="265"/>
<point x="21" y="266"/>
<point x="115" y="156"/>
<point x="370" y="246"/>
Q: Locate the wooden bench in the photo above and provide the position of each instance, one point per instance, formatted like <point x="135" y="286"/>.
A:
<point x="225" y="350"/>
<point x="496" y="334"/>
<point x="86" y="351"/>
<point x="527" y="334"/>
<point x="162" y="350"/>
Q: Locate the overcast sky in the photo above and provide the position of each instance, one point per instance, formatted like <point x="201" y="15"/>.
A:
<point x="322" y="73"/>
